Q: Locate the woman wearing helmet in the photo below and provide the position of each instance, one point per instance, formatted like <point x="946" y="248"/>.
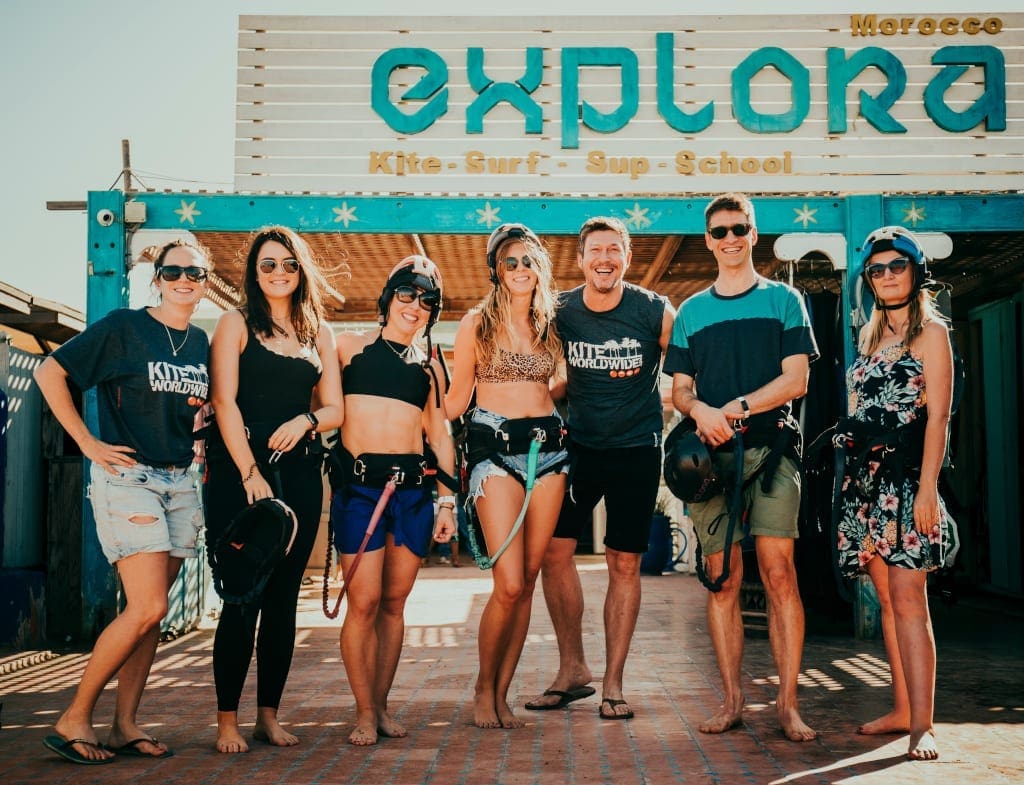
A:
<point x="900" y="391"/>
<point x="506" y="348"/>
<point x="392" y="394"/>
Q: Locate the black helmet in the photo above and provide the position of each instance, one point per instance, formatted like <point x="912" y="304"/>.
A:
<point x="500" y="235"/>
<point x="689" y="473"/>
<point x="416" y="271"/>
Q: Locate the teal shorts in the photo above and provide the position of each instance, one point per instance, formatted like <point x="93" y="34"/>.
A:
<point x="772" y="514"/>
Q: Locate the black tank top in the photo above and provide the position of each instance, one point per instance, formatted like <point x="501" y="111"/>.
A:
<point x="379" y="370"/>
<point x="272" y="387"/>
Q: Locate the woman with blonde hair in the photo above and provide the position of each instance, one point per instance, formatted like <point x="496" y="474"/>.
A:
<point x="507" y="349"/>
<point x="893" y="524"/>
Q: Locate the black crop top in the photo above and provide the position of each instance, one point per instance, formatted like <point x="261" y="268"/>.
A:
<point x="273" y="387"/>
<point x="380" y="370"/>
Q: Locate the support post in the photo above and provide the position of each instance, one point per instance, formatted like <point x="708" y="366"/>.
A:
<point x="106" y="290"/>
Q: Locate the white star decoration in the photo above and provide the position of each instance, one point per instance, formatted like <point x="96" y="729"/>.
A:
<point x="638" y="216"/>
<point x="188" y="212"/>
<point x="805" y="215"/>
<point x="913" y="214"/>
<point x="489" y="215"/>
<point x="344" y="214"/>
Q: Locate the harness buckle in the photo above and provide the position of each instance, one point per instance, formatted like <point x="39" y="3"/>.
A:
<point x="359" y="468"/>
<point x="398" y="475"/>
<point x="539" y="435"/>
<point x="275" y="456"/>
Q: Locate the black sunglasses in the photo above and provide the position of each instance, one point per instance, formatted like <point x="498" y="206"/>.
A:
<point x="172" y="272"/>
<point x="428" y="300"/>
<point x="738" y="230"/>
<point x="896" y="267"/>
<point x="267" y="266"/>
<point x="511" y="263"/>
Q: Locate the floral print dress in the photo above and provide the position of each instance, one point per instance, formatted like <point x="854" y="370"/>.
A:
<point x="876" y="516"/>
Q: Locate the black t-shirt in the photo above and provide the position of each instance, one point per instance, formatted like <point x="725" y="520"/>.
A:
<point x="147" y="396"/>
<point x="612" y="360"/>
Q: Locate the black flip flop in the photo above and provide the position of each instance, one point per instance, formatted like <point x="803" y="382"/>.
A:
<point x="66" y="749"/>
<point x="612" y="703"/>
<point x="565" y="697"/>
<point x="131" y="749"/>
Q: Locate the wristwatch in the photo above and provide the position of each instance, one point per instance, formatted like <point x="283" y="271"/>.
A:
<point x="745" y="405"/>
<point x="313" y="420"/>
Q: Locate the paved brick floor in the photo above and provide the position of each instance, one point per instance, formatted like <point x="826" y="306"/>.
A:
<point x="672" y="685"/>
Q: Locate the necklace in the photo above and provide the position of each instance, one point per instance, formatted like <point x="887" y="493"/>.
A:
<point x="401" y="355"/>
<point x="179" y="347"/>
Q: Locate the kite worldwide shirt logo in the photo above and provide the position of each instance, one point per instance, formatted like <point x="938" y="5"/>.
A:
<point x="621" y="359"/>
<point x="191" y="380"/>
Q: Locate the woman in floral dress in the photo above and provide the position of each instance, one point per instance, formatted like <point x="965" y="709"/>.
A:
<point x="889" y="506"/>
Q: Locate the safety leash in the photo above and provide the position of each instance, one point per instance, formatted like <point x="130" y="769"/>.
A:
<point x="485" y="562"/>
<point x="378" y="511"/>
<point x="735" y="516"/>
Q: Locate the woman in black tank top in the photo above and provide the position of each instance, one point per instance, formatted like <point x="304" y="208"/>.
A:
<point x="275" y="387"/>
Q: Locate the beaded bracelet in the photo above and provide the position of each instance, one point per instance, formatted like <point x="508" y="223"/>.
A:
<point x="251" y="474"/>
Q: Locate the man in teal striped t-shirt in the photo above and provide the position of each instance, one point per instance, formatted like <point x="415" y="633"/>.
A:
<point x="738" y="356"/>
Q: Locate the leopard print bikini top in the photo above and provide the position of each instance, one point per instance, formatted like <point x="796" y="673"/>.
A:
<point x="506" y="366"/>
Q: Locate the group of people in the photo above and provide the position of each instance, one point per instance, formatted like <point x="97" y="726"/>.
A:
<point x="277" y="377"/>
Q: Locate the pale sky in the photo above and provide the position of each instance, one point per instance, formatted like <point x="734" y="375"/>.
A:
<point x="77" y="76"/>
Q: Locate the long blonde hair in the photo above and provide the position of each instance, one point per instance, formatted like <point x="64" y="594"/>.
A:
<point x="496" y="308"/>
<point x="922" y="309"/>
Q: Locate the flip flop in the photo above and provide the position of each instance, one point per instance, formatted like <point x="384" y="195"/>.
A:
<point x="565" y="697"/>
<point x="66" y="749"/>
<point x="612" y="703"/>
<point x="131" y="749"/>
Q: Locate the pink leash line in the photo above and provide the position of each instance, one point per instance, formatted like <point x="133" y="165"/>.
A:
<point x="378" y="511"/>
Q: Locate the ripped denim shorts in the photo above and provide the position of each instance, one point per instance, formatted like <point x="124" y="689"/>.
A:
<point x="145" y="509"/>
<point x="546" y="461"/>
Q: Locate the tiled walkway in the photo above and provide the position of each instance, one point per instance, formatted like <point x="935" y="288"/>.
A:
<point x="671" y="683"/>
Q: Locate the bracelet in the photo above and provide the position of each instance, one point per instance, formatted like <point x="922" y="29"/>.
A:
<point x="744" y="404"/>
<point x="313" y="420"/>
<point x="252" y="472"/>
<point x="446" y="501"/>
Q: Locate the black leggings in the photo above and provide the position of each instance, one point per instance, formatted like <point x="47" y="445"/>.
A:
<point x="224" y="496"/>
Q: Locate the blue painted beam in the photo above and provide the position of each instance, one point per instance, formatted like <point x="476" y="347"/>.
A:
<point x="469" y="215"/>
<point x="106" y="289"/>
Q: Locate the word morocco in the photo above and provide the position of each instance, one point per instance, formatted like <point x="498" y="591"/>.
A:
<point x="427" y="99"/>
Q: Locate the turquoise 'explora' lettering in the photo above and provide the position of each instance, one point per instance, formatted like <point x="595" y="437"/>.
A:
<point x="432" y="89"/>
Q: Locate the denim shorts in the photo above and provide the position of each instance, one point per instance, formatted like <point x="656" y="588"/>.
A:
<point x="168" y="496"/>
<point x="485" y="469"/>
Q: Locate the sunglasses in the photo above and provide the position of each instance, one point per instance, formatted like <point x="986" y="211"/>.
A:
<point x="738" y="230"/>
<point x="267" y="266"/>
<point x="172" y="272"/>
<point x="896" y="267"/>
<point x="428" y="300"/>
<point x="511" y="263"/>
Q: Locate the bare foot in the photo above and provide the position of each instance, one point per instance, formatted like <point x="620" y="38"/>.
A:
<point x="893" y="722"/>
<point x="363" y="735"/>
<point x="92" y="750"/>
<point x="507" y="717"/>
<point x="794" y="727"/>
<point x="923" y="746"/>
<point x="274" y="734"/>
<point x="386" y="726"/>
<point x="726" y="719"/>
<point x="230" y="740"/>
<point x="485" y="714"/>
